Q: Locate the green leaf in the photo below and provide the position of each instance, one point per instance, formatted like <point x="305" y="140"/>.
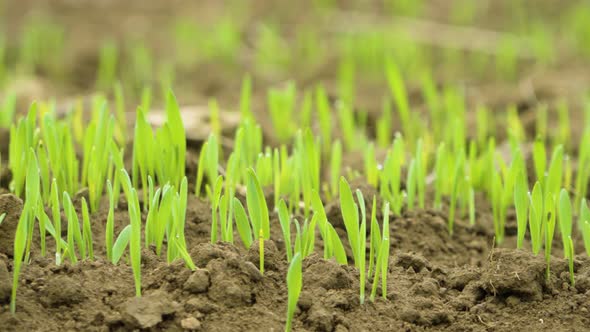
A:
<point x="338" y="247"/>
<point x="74" y="233"/>
<point x="242" y="223"/>
<point x="350" y="216"/>
<point x="55" y="209"/>
<point x="215" y="197"/>
<point x="550" y="207"/>
<point x="400" y="96"/>
<point x="335" y="166"/>
<point x="539" y="159"/>
<point x="87" y="230"/>
<point x="555" y="173"/>
<point x="536" y="217"/>
<point x="570" y="255"/>
<point x="411" y="184"/>
<point x="294" y="285"/>
<point x="19" y="251"/>
<point x="285" y="221"/>
<point x="110" y="223"/>
<point x="257" y="206"/>
<point x="121" y="244"/>
<point x="565" y="218"/>
<point x="201" y="168"/>
<point x="584" y="222"/>
<point x="521" y="204"/>
<point x="384" y="261"/>
<point x="135" y="239"/>
<point x="185" y="255"/>
<point x="374" y="237"/>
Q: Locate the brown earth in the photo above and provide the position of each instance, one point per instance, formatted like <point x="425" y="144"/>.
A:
<point x="435" y="282"/>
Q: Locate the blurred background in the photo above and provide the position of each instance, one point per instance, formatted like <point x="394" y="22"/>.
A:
<point x="500" y="53"/>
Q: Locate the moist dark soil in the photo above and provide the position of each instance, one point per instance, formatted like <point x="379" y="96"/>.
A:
<point x="435" y="282"/>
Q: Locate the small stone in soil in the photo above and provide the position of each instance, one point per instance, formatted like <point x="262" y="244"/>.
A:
<point x="63" y="290"/>
<point x="328" y="275"/>
<point x="512" y="301"/>
<point x="409" y="315"/>
<point x="190" y="323"/>
<point x="428" y="287"/>
<point x="320" y="319"/>
<point x="201" y="305"/>
<point x="147" y="311"/>
<point x="198" y="282"/>
<point x="416" y="261"/>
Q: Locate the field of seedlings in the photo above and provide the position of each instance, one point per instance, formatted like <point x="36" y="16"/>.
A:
<point x="313" y="165"/>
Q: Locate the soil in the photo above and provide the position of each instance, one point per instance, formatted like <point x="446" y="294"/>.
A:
<point x="436" y="282"/>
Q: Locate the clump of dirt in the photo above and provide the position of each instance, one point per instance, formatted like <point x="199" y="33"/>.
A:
<point x="12" y="206"/>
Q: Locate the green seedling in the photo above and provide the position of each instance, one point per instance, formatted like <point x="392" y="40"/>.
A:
<point x="458" y="175"/>
<point x="23" y="136"/>
<point x="242" y="224"/>
<point x="294" y="285"/>
<point x="25" y="224"/>
<point x="541" y="122"/>
<point x="8" y="106"/>
<point x="259" y="220"/>
<point x="324" y="118"/>
<point x="135" y="236"/>
<point x="97" y="140"/>
<point x="521" y="205"/>
<point x="107" y="66"/>
<point x="362" y="250"/>
<point x="55" y="209"/>
<point x="384" y="130"/>
<point x="555" y="172"/>
<point x="110" y="223"/>
<point x="536" y="217"/>
<point x="245" y="97"/>
<point x="281" y="104"/>
<point x="226" y="215"/>
<point x="584" y="224"/>
<point x="400" y="97"/>
<point x="420" y="174"/>
<point x="539" y="159"/>
<point x="87" y="230"/>
<point x="121" y="244"/>
<point x="411" y="184"/>
<point x="19" y="251"/>
<point x="440" y="167"/>
<point x="563" y="126"/>
<point x="549" y="229"/>
<point x="371" y="167"/>
<point x="565" y="228"/>
<point x="285" y="221"/>
<point x="120" y="114"/>
<point x="215" y="199"/>
<point x="390" y="187"/>
<point x="382" y="263"/>
<point x="335" y="167"/>
<point x="332" y="245"/>
<point x="350" y="215"/>
<point x="74" y="232"/>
